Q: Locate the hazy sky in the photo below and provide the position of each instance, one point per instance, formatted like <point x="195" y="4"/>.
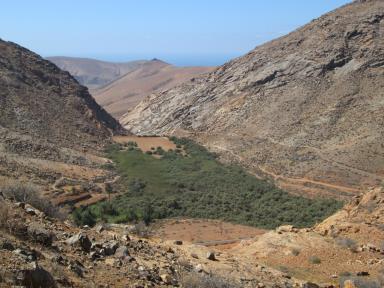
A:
<point x="184" y="32"/>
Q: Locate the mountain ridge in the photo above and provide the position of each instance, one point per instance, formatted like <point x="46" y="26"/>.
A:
<point x="125" y="92"/>
<point x="303" y="109"/>
<point x="94" y="73"/>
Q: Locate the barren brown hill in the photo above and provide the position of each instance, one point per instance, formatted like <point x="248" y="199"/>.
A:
<point x="305" y="109"/>
<point x="40" y="100"/>
<point x="94" y="73"/>
<point x="126" y="92"/>
<point x="50" y="126"/>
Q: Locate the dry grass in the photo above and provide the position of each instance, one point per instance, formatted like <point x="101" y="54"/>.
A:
<point x="347" y="243"/>
<point x="28" y="193"/>
<point x="197" y="280"/>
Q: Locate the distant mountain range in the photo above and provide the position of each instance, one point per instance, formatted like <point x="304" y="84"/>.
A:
<point x="119" y="87"/>
<point x="94" y="73"/>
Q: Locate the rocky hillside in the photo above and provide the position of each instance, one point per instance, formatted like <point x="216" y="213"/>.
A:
<point x="126" y="92"/>
<point x="40" y="101"/>
<point x="94" y="73"/>
<point x="346" y="247"/>
<point x="50" y="127"/>
<point x="38" y="251"/>
<point x="305" y="109"/>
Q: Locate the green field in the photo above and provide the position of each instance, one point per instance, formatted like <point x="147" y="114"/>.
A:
<point x="197" y="185"/>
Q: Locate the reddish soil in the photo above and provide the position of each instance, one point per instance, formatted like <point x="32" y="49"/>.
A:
<point x="223" y="235"/>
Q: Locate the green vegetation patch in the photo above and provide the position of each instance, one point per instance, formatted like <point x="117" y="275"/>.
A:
<point x="197" y="185"/>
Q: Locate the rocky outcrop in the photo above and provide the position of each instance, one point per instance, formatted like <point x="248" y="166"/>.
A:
<point x="305" y="109"/>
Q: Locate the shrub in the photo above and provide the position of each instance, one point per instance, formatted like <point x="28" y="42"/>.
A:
<point x="314" y="260"/>
<point x="131" y="143"/>
<point x="147" y="214"/>
<point x="295" y="251"/>
<point x="108" y="166"/>
<point x="28" y="193"/>
<point x="108" y="209"/>
<point x="136" y="185"/>
<point x="83" y="217"/>
<point x="196" y="280"/>
<point x="347" y="243"/>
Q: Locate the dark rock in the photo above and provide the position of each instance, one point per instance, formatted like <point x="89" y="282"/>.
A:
<point x="178" y="242"/>
<point x="310" y="285"/>
<point x="121" y="252"/>
<point x="81" y="239"/>
<point x="211" y="256"/>
<point x="40" y="235"/>
<point x="35" y="278"/>
<point x="6" y="245"/>
<point x="110" y="248"/>
<point x="77" y="268"/>
<point x="28" y="255"/>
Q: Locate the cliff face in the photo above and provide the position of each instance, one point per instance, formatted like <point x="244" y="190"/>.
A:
<point x="305" y="109"/>
<point x="39" y="100"/>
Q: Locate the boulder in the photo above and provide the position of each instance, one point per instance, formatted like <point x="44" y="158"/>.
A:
<point x="166" y="278"/>
<point x="126" y="238"/>
<point x="121" y="252"/>
<point x="99" y="228"/>
<point x="211" y="256"/>
<point x="77" y="268"/>
<point x="110" y="248"/>
<point x="286" y="229"/>
<point x="39" y="234"/>
<point x="28" y="255"/>
<point x="81" y="240"/>
<point x="35" y="277"/>
<point x="199" y="268"/>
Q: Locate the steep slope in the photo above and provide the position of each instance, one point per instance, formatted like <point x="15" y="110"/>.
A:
<point x="40" y="100"/>
<point x="94" y="73"/>
<point x="50" y="126"/>
<point x="306" y="109"/>
<point x="126" y="92"/>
